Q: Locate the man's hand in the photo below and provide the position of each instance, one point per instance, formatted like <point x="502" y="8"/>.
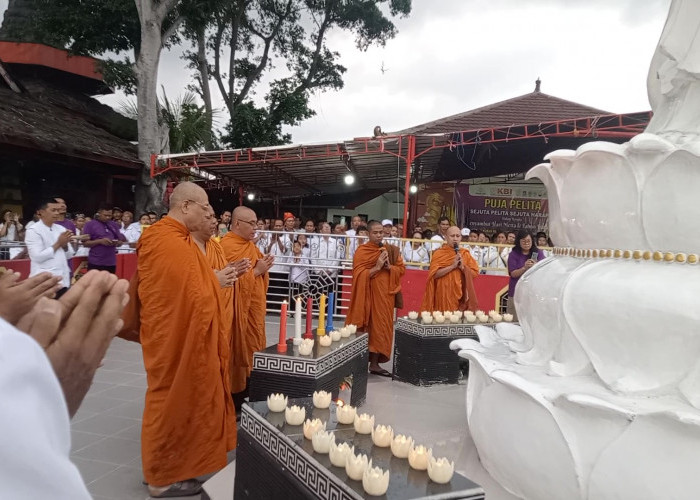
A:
<point x="226" y="276"/>
<point x="17" y="298"/>
<point x="382" y="261"/>
<point x="76" y="330"/>
<point x="241" y="266"/>
<point x="458" y="262"/>
<point x="63" y="239"/>
<point x="263" y="265"/>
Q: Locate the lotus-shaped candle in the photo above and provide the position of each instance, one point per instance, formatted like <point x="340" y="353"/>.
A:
<point x="339" y="453"/>
<point x="508" y="318"/>
<point x="352" y="329"/>
<point x="440" y="470"/>
<point x="295" y="415"/>
<point x="483" y="318"/>
<point x="401" y="445"/>
<point x="491" y="313"/>
<point x="497" y="318"/>
<point x="413" y="315"/>
<point x="306" y="347"/>
<point x="418" y="457"/>
<point x="478" y="312"/>
<point x="322" y="399"/>
<point x="325" y="340"/>
<point x="439" y="319"/>
<point x="424" y="314"/>
<point x="437" y="313"/>
<point x="345" y="414"/>
<point x="447" y="314"/>
<point x="364" y="423"/>
<point x="321" y="441"/>
<point x="344" y="332"/>
<point x="277" y="402"/>
<point x="454" y="318"/>
<point x="427" y="320"/>
<point x="375" y="481"/>
<point x="355" y="466"/>
<point x="313" y="426"/>
<point x="470" y="318"/>
<point x="335" y="335"/>
<point x="382" y="436"/>
<point x="459" y="314"/>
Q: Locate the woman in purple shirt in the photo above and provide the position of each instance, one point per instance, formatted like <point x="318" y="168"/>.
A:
<point x="523" y="256"/>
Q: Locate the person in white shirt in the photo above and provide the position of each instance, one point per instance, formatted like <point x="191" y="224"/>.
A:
<point x="10" y="235"/>
<point x="44" y="387"/>
<point x="475" y="250"/>
<point x="298" y="268"/>
<point x="491" y="256"/>
<point x="48" y="245"/>
<point x="415" y="254"/>
<point x="325" y="254"/>
<point x="279" y="246"/>
<point x="132" y="233"/>
<point x="440" y="237"/>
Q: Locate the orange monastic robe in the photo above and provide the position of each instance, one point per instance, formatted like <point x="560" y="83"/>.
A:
<point x="189" y="421"/>
<point x="248" y="332"/>
<point x="455" y="290"/>
<point x="372" y="299"/>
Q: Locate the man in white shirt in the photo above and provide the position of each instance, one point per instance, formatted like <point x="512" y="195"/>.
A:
<point x="48" y="245"/>
<point x="441" y="236"/>
<point x="325" y="256"/>
<point x="280" y="246"/>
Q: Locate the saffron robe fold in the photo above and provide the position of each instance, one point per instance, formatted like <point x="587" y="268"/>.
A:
<point x="372" y="299"/>
<point x="455" y="290"/>
<point x="248" y="330"/>
<point x="189" y="420"/>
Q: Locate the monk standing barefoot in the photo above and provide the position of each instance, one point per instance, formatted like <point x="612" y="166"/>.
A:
<point x="376" y="279"/>
<point x="248" y="332"/>
<point x="189" y="420"/>
<point x="450" y="285"/>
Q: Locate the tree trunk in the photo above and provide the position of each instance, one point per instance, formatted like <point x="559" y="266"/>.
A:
<point x="149" y="192"/>
<point x="204" y="82"/>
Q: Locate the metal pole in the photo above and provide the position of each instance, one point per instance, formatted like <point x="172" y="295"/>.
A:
<point x="410" y="154"/>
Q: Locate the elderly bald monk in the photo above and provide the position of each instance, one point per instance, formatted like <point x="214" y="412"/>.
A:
<point x="450" y="285"/>
<point x="248" y="331"/>
<point x="377" y="269"/>
<point x="189" y="420"/>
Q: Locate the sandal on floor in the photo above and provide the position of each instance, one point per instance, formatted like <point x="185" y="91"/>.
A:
<point x="381" y="373"/>
<point x="187" y="488"/>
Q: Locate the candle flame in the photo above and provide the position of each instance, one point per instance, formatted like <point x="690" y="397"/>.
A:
<point x="339" y="402"/>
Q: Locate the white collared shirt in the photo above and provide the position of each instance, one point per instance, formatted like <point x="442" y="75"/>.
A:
<point x="34" y="424"/>
<point x="40" y="239"/>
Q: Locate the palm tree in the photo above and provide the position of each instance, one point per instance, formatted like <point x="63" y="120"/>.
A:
<point x="189" y="124"/>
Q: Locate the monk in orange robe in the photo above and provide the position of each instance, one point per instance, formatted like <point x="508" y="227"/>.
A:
<point x="450" y="285"/>
<point x="376" y="280"/>
<point x="248" y="332"/>
<point x="189" y="422"/>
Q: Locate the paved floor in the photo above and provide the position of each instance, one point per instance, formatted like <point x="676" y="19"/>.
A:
<point x="107" y="428"/>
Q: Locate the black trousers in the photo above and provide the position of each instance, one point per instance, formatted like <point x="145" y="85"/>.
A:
<point x="111" y="269"/>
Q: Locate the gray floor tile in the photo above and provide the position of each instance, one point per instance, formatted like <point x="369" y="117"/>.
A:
<point x="99" y="403"/>
<point x="116" y="377"/>
<point x="109" y="363"/>
<point x="133" y="433"/>
<point x="98" y="387"/>
<point x="137" y="381"/>
<point x="124" y="483"/>
<point x="80" y="440"/>
<point x="112" y="450"/>
<point x="124" y="392"/>
<point x="129" y="409"/>
<point x="91" y="470"/>
<point x="106" y="425"/>
<point x="82" y="414"/>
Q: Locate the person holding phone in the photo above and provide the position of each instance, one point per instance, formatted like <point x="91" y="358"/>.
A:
<point x="105" y="236"/>
<point x="524" y="255"/>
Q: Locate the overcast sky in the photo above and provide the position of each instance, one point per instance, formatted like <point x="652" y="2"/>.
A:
<point x="451" y="56"/>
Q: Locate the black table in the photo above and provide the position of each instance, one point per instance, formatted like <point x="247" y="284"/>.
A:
<point x="422" y="354"/>
<point x="274" y="460"/>
<point x="325" y="369"/>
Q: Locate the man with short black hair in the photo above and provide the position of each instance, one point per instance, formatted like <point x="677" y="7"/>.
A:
<point x="104" y="237"/>
<point x="440" y="235"/>
<point x="48" y="245"/>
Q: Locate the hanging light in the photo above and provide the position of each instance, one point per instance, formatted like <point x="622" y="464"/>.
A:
<point x="349" y="179"/>
<point x="251" y="196"/>
<point x="413" y="189"/>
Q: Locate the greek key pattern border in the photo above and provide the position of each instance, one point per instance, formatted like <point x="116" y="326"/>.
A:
<point x="445" y="330"/>
<point x="263" y="361"/>
<point x="307" y="470"/>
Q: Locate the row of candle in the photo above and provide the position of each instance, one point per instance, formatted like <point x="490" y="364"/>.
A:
<point x="307" y="345"/>
<point x="375" y="481"/>
<point x="456" y="316"/>
<point x="325" y="323"/>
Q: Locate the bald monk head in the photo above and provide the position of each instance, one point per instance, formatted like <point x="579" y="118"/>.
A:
<point x="189" y="204"/>
<point x="453" y="236"/>
<point x="376" y="231"/>
<point x="244" y="223"/>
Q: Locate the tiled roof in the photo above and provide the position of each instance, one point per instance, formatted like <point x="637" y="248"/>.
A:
<point x="530" y="108"/>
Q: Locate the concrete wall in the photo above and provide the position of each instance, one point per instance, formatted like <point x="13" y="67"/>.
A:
<point x="381" y="207"/>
